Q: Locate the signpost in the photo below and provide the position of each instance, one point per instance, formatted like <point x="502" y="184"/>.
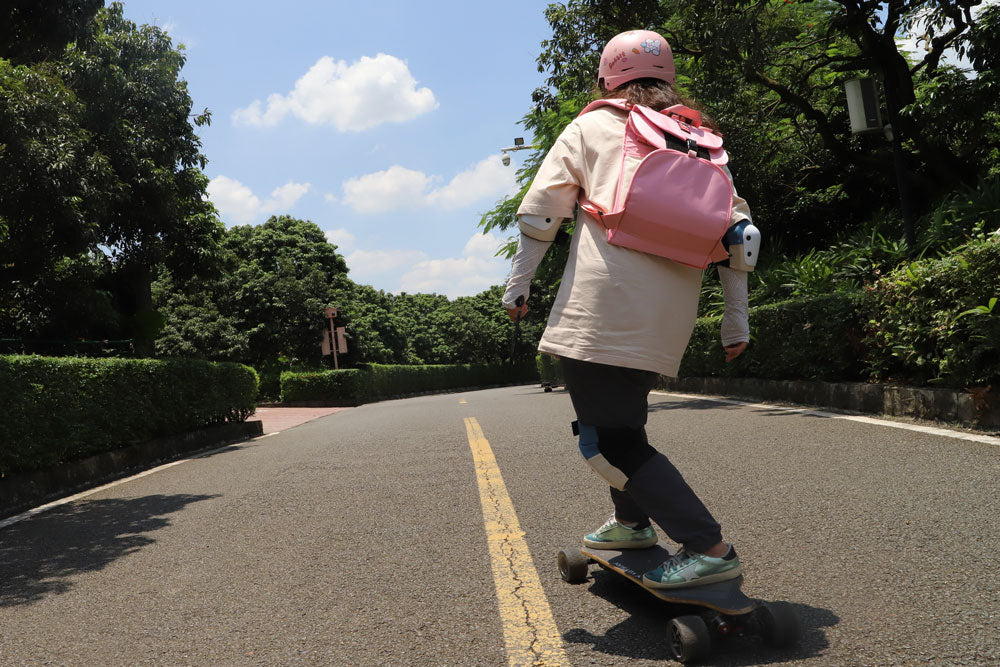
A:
<point x="336" y="342"/>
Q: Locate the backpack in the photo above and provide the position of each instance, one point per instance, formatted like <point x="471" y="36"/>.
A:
<point x="679" y="203"/>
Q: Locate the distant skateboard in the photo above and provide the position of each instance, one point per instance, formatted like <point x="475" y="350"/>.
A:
<point x="721" y="608"/>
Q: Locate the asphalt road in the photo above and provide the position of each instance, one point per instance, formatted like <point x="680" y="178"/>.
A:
<point x="359" y="539"/>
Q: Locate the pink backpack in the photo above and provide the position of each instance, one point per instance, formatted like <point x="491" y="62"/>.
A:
<point x="679" y="202"/>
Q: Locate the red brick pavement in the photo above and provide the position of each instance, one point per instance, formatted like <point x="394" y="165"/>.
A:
<point x="280" y="419"/>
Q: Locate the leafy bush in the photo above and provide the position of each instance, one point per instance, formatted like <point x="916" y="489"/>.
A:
<point x="348" y="386"/>
<point x="270" y="372"/>
<point x="61" y="409"/>
<point x="864" y="255"/>
<point x="935" y="320"/>
<point x="810" y="338"/>
<point x="961" y="217"/>
<point x="377" y="381"/>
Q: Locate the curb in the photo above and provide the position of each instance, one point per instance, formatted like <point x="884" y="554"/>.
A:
<point x="973" y="408"/>
<point x="389" y="397"/>
<point x="23" y="491"/>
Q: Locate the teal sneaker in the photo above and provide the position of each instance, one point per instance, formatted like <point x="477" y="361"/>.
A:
<point x="613" y="535"/>
<point x="687" y="568"/>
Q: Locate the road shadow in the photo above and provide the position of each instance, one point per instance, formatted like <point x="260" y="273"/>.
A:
<point x="644" y="634"/>
<point x="777" y="411"/>
<point x="691" y="404"/>
<point x="40" y="557"/>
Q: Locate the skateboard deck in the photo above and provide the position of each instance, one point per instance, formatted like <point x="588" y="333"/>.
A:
<point x="724" y="597"/>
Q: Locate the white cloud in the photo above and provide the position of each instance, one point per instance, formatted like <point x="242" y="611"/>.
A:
<point x="351" y="97"/>
<point x="470" y="274"/>
<point x="396" y="187"/>
<point x="489" y="178"/>
<point x="483" y="245"/>
<point x="399" y="187"/>
<point x="286" y="196"/>
<point x="238" y="204"/>
<point x="343" y="239"/>
<point x="366" y="263"/>
<point x="330" y="198"/>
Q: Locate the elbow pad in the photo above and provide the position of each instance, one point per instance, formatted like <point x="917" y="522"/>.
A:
<point x="742" y="240"/>
<point x="539" y="227"/>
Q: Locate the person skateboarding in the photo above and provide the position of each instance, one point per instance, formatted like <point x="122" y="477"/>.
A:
<point x="621" y="317"/>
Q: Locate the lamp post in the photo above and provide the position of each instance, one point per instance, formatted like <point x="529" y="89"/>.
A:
<point x="518" y="146"/>
<point x="863" y="107"/>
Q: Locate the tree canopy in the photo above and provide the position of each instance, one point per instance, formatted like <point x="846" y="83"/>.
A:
<point x="771" y="72"/>
<point x="100" y="167"/>
<point x="106" y="230"/>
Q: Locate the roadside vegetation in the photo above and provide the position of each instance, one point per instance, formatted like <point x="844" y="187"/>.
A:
<point x="846" y="288"/>
<point x="109" y="247"/>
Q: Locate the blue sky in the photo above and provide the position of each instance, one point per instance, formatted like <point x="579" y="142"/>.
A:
<point x="380" y="121"/>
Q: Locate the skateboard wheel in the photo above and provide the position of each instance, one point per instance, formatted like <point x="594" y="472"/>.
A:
<point x="779" y="626"/>
<point x="573" y="565"/>
<point x="689" y="638"/>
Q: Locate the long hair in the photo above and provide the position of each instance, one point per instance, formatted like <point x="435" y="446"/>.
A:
<point x="656" y="94"/>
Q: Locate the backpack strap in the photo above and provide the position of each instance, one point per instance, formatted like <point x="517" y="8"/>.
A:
<point x="597" y="104"/>
<point x="590" y="207"/>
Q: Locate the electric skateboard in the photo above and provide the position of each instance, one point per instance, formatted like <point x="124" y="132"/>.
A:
<point x="720" y="608"/>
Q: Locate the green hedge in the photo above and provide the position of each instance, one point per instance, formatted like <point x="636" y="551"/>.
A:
<point x="376" y="381"/>
<point x="800" y="339"/>
<point x="935" y="321"/>
<point x="60" y="409"/>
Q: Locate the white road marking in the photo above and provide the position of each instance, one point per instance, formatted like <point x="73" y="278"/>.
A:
<point x="931" y="430"/>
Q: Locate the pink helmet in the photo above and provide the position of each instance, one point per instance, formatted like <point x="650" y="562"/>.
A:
<point x="636" y="54"/>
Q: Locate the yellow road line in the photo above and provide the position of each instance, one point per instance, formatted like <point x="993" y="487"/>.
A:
<point x="461" y="401"/>
<point x="529" y="631"/>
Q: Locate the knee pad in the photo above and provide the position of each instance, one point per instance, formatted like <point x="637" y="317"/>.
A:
<point x="614" y="453"/>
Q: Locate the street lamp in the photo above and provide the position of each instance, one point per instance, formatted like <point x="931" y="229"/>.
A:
<point x="518" y="146"/>
<point x="863" y="108"/>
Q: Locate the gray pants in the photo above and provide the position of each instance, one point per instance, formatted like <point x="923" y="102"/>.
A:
<point x="611" y="406"/>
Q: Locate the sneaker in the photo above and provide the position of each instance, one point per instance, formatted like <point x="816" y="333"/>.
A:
<point x="687" y="568"/>
<point x="613" y="535"/>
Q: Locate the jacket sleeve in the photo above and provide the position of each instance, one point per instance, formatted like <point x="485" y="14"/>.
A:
<point x="735" y="317"/>
<point x="529" y="255"/>
<point x="556" y="186"/>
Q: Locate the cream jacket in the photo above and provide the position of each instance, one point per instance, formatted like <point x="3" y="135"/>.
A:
<point x="614" y="306"/>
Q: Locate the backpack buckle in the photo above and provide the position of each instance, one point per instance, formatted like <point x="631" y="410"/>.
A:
<point x="692" y="147"/>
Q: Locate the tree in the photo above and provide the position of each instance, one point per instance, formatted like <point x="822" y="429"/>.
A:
<point x="99" y="166"/>
<point x="375" y="333"/>
<point x="281" y="285"/>
<point x="198" y="322"/>
<point x="138" y="112"/>
<point x="266" y="303"/>
<point x="50" y="178"/>
<point x="32" y="31"/>
<point x="771" y="72"/>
